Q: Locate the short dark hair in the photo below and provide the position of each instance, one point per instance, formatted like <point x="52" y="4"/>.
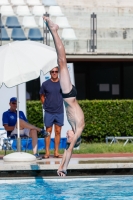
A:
<point x="53" y="68"/>
<point x="76" y="144"/>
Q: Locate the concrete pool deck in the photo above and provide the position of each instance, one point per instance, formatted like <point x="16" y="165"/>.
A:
<point x="80" y="164"/>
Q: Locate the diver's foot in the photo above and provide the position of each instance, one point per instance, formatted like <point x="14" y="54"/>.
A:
<point x="51" y="25"/>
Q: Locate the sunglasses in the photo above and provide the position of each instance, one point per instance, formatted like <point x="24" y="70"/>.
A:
<point x="54" y="72"/>
<point x="14" y="103"/>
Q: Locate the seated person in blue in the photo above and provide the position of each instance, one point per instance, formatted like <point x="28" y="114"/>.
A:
<point x="10" y="123"/>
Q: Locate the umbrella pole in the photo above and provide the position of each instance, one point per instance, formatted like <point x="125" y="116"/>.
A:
<point x="18" y="135"/>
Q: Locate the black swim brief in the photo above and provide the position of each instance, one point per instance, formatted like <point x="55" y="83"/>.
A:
<point x="72" y="93"/>
<point x="76" y="144"/>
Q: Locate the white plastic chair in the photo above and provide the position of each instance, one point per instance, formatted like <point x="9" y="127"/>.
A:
<point x="33" y="2"/>
<point x="38" y="10"/>
<point x="18" y="2"/>
<point x="62" y="22"/>
<point x="51" y="37"/>
<point x="3" y="135"/>
<point x="29" y="22"/>
<point x="68" y="34"/>
<point x="55" y="11"/>
<point x="4" y="2"/>
<point x="41" y="22"/>
<point x="23" y="11"/>
<point x="7" y="11"/>
<point x="49" y="3"/>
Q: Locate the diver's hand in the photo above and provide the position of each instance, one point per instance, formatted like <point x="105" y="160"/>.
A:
<point x="62" y="173"/>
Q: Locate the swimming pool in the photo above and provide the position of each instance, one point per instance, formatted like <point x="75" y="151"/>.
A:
<point x="105" y="188"/>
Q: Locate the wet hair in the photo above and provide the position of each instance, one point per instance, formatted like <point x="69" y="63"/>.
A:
<point x="76" y="144"/>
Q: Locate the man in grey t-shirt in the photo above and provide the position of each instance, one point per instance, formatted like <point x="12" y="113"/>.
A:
<point x="51" y="98"/>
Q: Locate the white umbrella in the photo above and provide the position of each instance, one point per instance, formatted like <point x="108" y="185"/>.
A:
<point x="22" y="61"/>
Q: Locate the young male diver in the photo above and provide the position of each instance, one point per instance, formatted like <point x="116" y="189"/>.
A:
<point x="74" y="112"/>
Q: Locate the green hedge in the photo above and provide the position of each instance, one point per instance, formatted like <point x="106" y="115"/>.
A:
<point x="34" y="113"/>
<point x="102" y="118"/>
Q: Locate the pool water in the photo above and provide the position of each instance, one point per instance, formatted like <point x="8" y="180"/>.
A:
<point x="103" y="188"/>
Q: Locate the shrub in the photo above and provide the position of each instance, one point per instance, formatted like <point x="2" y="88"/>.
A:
<point x="102" y="118"/>
<point x="107" y="118"/>
<point x="34" y="113"/>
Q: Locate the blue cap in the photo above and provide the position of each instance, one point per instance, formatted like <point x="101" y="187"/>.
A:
<point x="13" y="99"/>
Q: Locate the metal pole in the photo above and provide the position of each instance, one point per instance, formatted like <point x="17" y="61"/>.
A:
<point x="93" y="32"/>
<point x="43" y="31"/>
<point x="0" y="31"/>
<point x="96" y="32"/>
<point x="18" y="133"/>
<point x="46" y="31"/>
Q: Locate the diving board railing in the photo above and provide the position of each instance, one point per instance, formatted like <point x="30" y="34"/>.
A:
<point x="116" y="139"/>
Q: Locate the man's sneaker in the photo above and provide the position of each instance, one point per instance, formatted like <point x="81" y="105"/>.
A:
<point x="44" y="133"/>
<point x="37" y="156"/>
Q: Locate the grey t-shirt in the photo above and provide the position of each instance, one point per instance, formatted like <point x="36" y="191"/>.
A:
<point x="54" y="101"/>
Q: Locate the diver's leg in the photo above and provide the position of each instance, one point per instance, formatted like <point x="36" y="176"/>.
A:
<point x="65" y="81"/>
